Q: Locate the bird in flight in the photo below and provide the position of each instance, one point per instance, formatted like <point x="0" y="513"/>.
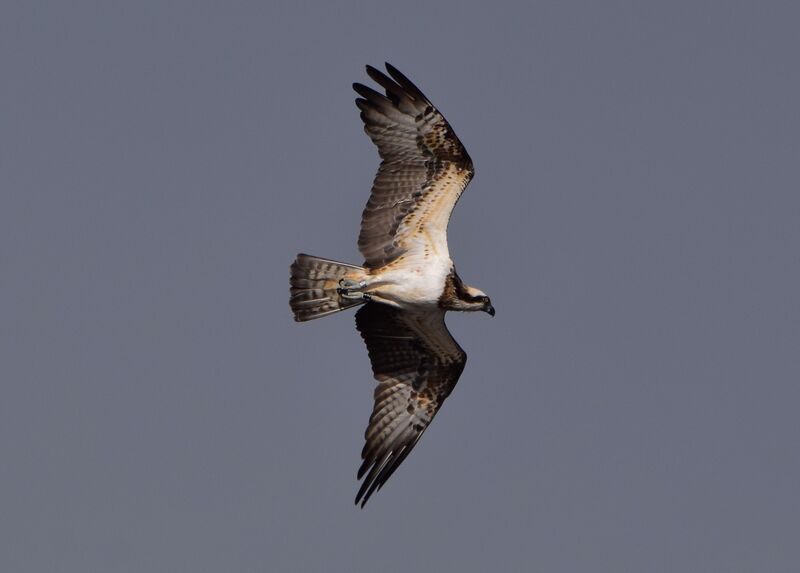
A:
<point x="408" y="281"/>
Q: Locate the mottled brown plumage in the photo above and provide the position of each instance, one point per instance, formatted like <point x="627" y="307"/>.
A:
<point x="417" y="364"/>
<point x="424" y="168"/>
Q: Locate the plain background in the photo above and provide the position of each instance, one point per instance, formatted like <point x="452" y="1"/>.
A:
<point x="635" y="218"/>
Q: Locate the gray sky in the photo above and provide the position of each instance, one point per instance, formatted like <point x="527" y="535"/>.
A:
<point x="635" y="217"/>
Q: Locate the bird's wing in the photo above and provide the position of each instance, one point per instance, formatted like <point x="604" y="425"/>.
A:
<point x="424" y="170"/>
<point x="417" y="364"/>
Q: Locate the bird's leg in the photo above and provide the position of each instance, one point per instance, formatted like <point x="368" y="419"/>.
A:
<point x="352" y="289"/>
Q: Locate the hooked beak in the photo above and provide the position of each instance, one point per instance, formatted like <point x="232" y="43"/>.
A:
<point x="489" y="309"/>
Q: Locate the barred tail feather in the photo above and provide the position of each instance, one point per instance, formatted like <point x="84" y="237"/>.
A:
<point x="313" y="287"/>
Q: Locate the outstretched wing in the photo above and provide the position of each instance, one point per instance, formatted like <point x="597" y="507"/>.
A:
<point x="417" y="364"/>
<point x="424" y="170"/>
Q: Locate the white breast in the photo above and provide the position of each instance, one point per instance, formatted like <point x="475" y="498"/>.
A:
<point x="418" y="281"/>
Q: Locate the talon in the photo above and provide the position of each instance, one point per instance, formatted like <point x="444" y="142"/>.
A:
<point x="351" y="284"/>
<point x="344" y="287"/>
<point x="347" y="287"/>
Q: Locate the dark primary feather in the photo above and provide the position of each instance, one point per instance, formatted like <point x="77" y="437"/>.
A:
<point x="417" y="364"/>
<point x="418" y="148"/>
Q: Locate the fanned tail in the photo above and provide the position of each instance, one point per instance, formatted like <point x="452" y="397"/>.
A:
<point x="313" y="287"/>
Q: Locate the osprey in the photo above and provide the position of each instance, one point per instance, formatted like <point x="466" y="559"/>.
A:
<point x="408" y="280"/>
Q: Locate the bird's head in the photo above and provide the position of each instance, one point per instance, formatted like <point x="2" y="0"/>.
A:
<point x="475" y="299"/>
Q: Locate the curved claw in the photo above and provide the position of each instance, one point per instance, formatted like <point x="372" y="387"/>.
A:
<point x="350" y="289"/>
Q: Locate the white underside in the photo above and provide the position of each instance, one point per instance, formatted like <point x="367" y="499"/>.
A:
<point x="418" y="282"/>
